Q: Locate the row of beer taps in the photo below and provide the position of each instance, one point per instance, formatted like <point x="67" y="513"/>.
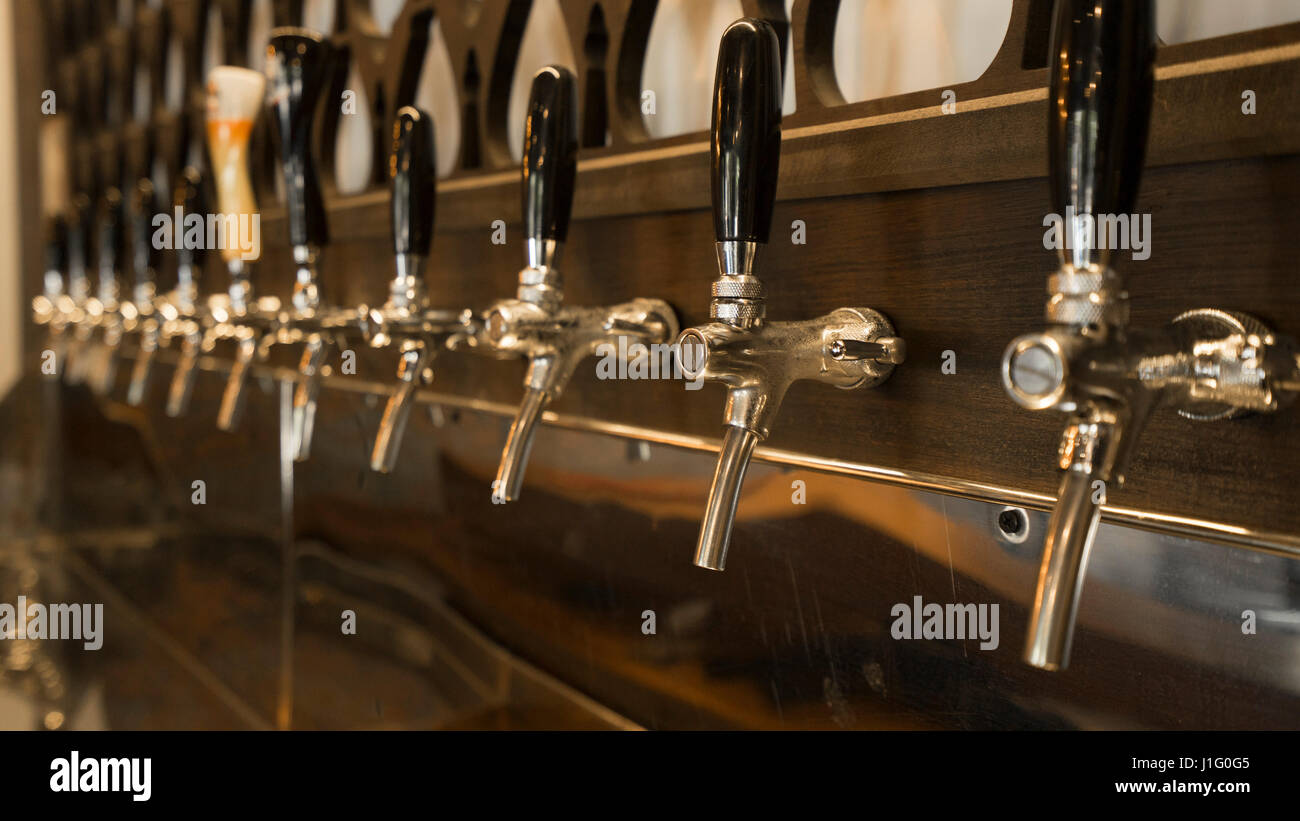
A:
<point x="1207" y="363"/>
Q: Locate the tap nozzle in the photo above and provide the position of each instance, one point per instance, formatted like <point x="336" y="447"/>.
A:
<point x="724" y="496"/>
<point x="519" y="444"/>
<point x="1086" y="457"/>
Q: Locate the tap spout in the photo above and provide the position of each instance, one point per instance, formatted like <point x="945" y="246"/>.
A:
<point x="232" y="399"/>
<point x="392" y="426"/>
<point x="724" y="496"/>
<point x="1060" y="578"/>
<point x="519" y="444"/>
<point x="1087" y="457"/>
<point x="306" y="396"/>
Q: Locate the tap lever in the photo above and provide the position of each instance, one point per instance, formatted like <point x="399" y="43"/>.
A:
<point x="414" y="168"/>
<point x="746" y="148"/>
<point x="144" y="257"/>
<point x="297" y="69"/>
<point x="746" y="160"/>
<point x="188" y="197"/>
<point x="550" y="163"/>
<point x="890" y="349"/>
<point x="1101" y="81"/>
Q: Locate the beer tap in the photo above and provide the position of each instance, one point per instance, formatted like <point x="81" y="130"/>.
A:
<point x="50" y="308"/>
<point x="141" y="146"/>
<point x="1208" y="364"/>
<point x="69" y="307"/>
<point x="235" y="96"/>
<point x="140" y="313"/>
<point x="102" y="310"/>
<point x="755" y="359"/>
<point x="184" y="316"/>
<point x="554" y="337"/>
<point x="297" y="68"/>
<point x="406" y="319"/>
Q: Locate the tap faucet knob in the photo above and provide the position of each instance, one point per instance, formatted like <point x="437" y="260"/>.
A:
<point x="1100" y="107"/>
<point x="550" y="163"/>
<point x="414" y="170"/>
<point x="235" y="97"/>
<point x="298" y="65"/>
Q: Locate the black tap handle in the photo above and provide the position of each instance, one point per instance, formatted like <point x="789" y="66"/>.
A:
<point x="57" y="238"/>
<point x="414" y="170"/>
<point x="108" y="233"/>
<point x="145" y="255"/>
<point x="297" y="74"/>
<point x="80" y="229"/>
<point x="188" y="196"/>
<point x="746" y="131"/>
<point x="550" y="154"/>
<point x="1100" y="107"/>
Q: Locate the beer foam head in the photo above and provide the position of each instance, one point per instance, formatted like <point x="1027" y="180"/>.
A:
<point x="235" y="94"/>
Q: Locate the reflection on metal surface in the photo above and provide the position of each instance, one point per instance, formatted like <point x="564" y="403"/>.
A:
<point x="1159" y="607"/>
<point x="797" y="634"/>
